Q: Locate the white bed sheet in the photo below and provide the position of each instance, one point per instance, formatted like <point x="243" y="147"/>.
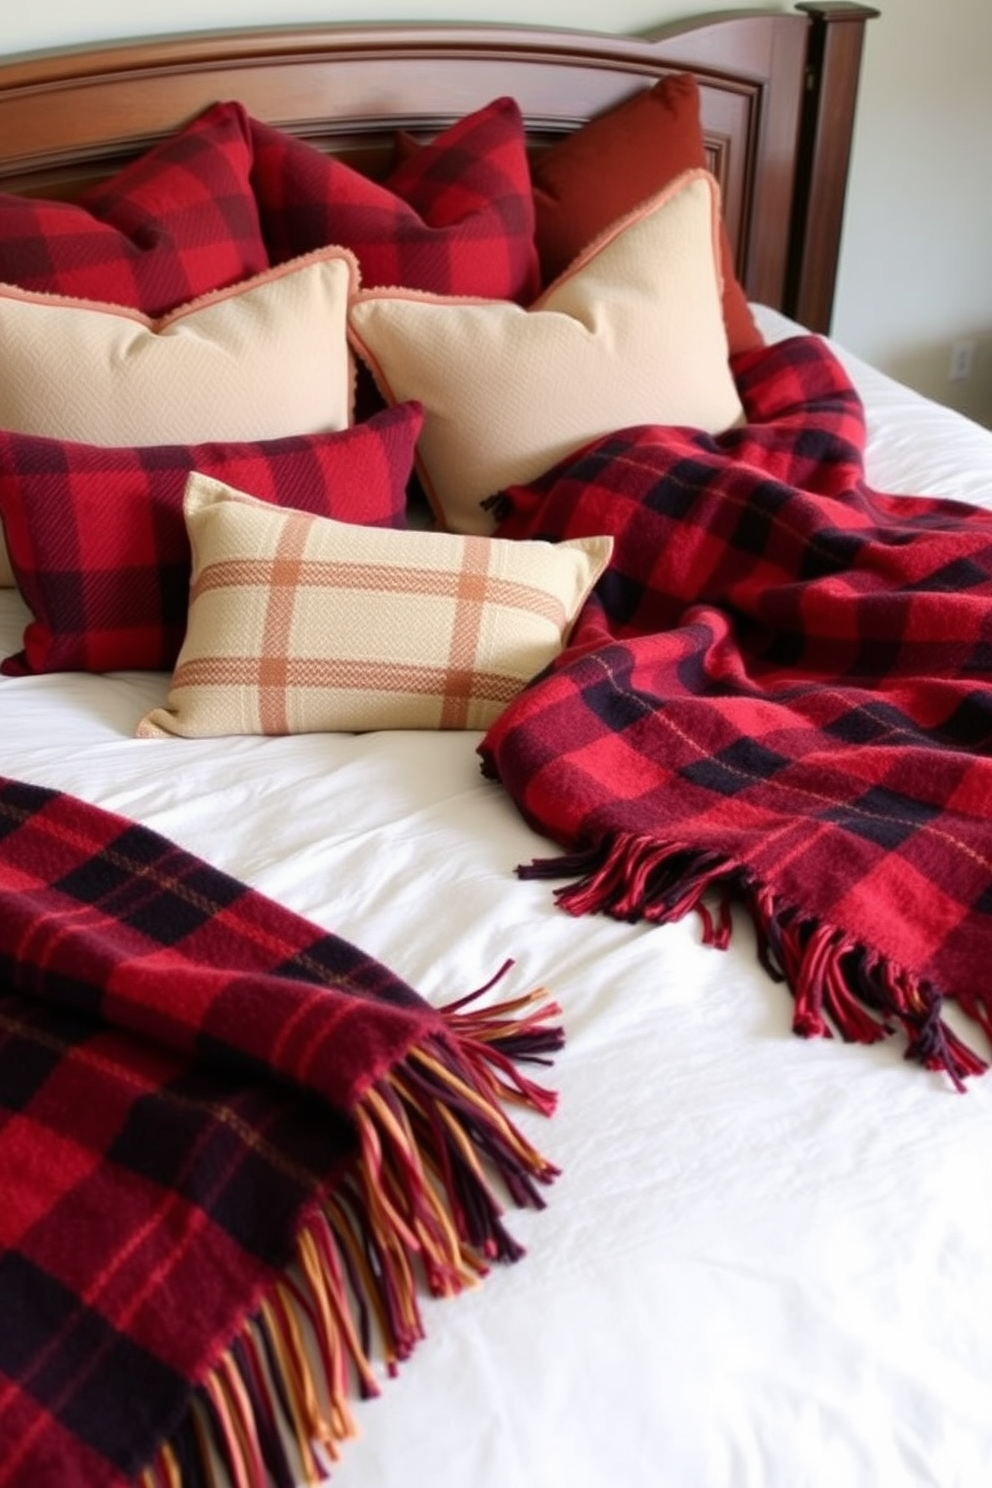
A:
<point x="767" y="1263"/>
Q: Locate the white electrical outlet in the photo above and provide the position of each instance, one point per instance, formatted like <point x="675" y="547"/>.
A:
<point x="962" y="361"/>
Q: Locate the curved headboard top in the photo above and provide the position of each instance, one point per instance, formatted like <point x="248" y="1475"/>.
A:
<point x="68" y="119"/>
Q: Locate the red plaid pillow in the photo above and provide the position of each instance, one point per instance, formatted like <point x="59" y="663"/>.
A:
<point x="456" y="217"/>
<point x="177" y="222"/>
<point x="98" y="542"/>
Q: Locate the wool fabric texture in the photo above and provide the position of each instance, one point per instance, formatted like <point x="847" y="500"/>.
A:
<point x="198" y="1088"/>
<point x="778" y="693"/>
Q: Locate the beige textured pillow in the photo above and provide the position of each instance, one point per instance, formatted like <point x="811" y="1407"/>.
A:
<point x="300" y="624"/>
<point x="631" y="333"/>
<point x="263" y="359"/>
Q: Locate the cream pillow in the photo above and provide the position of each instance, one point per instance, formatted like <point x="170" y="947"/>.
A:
<point x="260" y="360"/>
<point x="631" y="333"/>
<point x="301" y="624"/>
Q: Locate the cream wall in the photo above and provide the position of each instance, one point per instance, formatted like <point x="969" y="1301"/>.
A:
<point x="916" y="266"/>
<point x="916" y="270"/>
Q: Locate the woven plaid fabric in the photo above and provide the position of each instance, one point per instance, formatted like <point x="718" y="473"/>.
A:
<point x="457" y="217"/>
<point x="180" y="220"/>
<point x="196" y="1088"/>
<point x="98" y="543"/>
<point x="780" y="692"/>
<point x="302" y="625"/>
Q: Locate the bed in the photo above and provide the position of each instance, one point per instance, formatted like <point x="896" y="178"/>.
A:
<point x="741" y="1257"/>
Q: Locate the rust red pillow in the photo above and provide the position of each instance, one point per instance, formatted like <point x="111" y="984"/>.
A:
<point x="177" y="222"/>
<point x="98" y="542"/>
<point x="586" y="181"/>
<point x="456" y="217"/>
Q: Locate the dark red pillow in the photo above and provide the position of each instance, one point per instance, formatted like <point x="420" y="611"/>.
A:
<point x="455" y="218"/>
<point x="177" y="222"/>
<point x="98" y="542"/>
<point x="586" y="181"/>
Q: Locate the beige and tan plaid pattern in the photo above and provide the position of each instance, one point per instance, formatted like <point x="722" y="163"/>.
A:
<point x="300" y="624"/>
<point x="631" y="333"/>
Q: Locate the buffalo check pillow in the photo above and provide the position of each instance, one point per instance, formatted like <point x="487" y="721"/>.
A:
<point x="98" y="542"/>
<point x="457" y="218"/>
<point x="259" y="360"/>
<point x="632" y="333"/>
<point x="303" y="624"/>
<point x="180" y="220"/>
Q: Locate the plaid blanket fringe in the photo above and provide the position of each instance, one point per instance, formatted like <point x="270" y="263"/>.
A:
<point x="417" y="1201"/>
<point x="299" y="1143"/>
<point x="836" y="983"/>
<point x="778" y="693"/>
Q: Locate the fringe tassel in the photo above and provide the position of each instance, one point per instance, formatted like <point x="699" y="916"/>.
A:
<point x="635" y="878"/>
<point x="837" y="983"/>
<point x="416" y="1207"/>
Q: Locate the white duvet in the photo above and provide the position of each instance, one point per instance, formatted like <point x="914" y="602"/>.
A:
<point x="767" y="1263"/>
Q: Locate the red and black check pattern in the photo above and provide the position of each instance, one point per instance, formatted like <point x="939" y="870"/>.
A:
<point x="98" y="542"/>
<point x="181" y="220"/>
<point x="455" y="218"/>
<point x="780" y="688"/>
<point x="181" y="1061"/>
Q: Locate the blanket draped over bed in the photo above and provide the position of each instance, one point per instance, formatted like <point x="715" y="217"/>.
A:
<point x="780" y="694"/>
<point x="224" y="1130"/>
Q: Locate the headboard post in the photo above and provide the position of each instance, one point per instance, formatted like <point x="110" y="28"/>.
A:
<point x="833" y="60"/>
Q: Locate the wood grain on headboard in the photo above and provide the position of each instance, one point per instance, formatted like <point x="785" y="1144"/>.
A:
<point x="778" y="93"/>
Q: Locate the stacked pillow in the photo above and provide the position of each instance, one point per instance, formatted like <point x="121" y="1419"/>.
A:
<point x="592" y="177"/>
<point x="264" y="358"/>
<point x="260" y="360"/>
<point x="180" y="220"/>
<point x="640" y="311"/>
<point x="214" y="205"/>
<point x="98" y="542"/>
<point x="631" y="333"/>
<point x="190" y="327"/>
<point x="456" y="218"/>
<point x="300" y="624"/>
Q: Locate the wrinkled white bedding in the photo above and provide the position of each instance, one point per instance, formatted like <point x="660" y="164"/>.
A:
<point x="767" y="1264"/>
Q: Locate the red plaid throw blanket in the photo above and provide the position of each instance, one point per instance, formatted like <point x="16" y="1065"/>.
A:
<point x="221" y="1127"/>
<point x="781" y="692"/>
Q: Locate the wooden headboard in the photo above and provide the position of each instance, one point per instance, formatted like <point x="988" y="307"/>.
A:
<point x="778" y="93"/>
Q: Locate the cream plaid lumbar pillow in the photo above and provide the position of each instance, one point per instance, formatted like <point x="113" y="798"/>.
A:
<point x="263" y="359"/>
<point x="631" y="333"/>
<point x="300" y="624"/>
